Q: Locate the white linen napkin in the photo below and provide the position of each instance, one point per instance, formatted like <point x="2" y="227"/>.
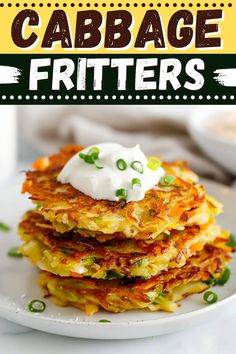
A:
<point x="159" y="130"/>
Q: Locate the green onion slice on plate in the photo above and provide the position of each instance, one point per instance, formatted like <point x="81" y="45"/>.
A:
<point x="4" y="227"/>
<point x="210" y="297"/>
<point x="37" y="306"/>
<point x="232" y="241"/>
<point x="14" y="252"/>
<point x="224" y="277"/>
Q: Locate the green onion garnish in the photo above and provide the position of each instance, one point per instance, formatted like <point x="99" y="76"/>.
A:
<point x="140" y="262"/>
<point x="224" y="277"/>
<point x="167" y="180"/>
<point x="112" y="274"/>
<point x="91" y="157"/>
<point x="137" y="166"/>
<point x="210" y="297"/>
<point x="94" y="152"/>
<point x="153" y="163"/>
<point x="4" y="227"/>
<point x="87" y="158"/>
<point x="121" y="164"/>
<point x="14" y="252"/>
<point x="104" y="321"/>
<point x="232" y="241"/>
<point x="170" y="237"/>
<point x="65" y="250"/>
<point x="122" y="193"/>
<point x="136" y="182"/>
<point x="210" y="281"/>
<point x="37" y="306"/>
<point x="82" y="155"/>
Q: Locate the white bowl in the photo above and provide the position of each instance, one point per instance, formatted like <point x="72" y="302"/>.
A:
<point x="219" y="149"/>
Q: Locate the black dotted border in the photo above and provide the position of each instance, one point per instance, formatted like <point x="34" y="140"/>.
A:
<point x="135" y="4"/>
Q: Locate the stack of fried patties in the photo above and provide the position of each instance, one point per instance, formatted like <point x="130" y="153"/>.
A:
<point x="120" y="256"/>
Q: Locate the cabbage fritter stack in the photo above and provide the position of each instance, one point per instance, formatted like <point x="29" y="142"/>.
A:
<point x="117" y="255"/>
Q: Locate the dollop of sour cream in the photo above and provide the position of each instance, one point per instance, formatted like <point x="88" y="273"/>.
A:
<point x="111" y="171"/>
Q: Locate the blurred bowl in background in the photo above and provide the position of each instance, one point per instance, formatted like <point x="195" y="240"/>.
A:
<point x="213" y="128"/>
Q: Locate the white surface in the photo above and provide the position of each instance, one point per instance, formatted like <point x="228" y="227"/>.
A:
<point x="158" y="129"/>
<point x="213" y="337"/>
<point x="218" y="149"/>
<point x="8" y="142"/>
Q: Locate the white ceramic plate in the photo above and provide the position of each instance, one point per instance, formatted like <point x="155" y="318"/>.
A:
<point x="18" y="286"/>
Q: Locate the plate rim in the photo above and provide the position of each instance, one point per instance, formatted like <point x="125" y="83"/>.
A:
<point x="30" y="320"/>
<point x="207" y="308"/>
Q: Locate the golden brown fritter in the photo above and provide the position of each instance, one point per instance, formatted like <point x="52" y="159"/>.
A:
<point x="162" y="209"/>
<point x="73" y="255"/>
<point x="161" y="292"/>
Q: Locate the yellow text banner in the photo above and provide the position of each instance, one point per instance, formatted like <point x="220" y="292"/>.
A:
<point x="117" y="27"/>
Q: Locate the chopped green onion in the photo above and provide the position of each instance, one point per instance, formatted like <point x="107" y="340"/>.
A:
<point x="82" y="155"/>
<point x="87" y="158"/>
<point x="154" y="163"/>
<point x="4" y="227"/>
<point x="232" y="241"/>
<point x="137" y="166"/>
<point x="170" y="237"/>
<point x="160" y="296"/>
<point x="104" y="321"/>
<point x="91" y="157"/>
<point x="89" y="261"/>
<point x="145" y="277"/>
<point x="14" y="252"/>
<point x="121" y="164"/>
<point x="136" y="182"/>
<point x="167" y="180"/>
<point x="37" y="306"/>
<point x="210" y="281"/>
<point x="122" y="193"/>
<point x="224" y="277"/>
<point x="139" y="262"/>
<point x="65" y="250"/>
<point x="210" y="297"/>
<point x="94" y="152"/>
<point x="112" y="274"/>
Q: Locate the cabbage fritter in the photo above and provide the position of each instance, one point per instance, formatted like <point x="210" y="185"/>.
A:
<point x="73" y="255"/>
<point x="161" y="292"/>
<point x="164" y="207"/>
